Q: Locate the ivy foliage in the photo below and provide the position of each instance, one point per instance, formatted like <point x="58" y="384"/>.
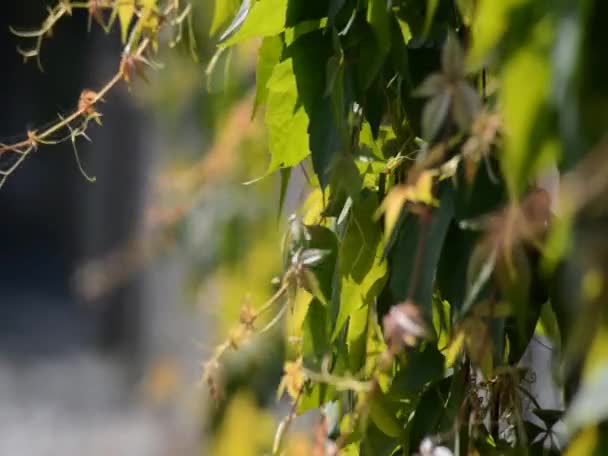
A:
<point x="455" y="216"/>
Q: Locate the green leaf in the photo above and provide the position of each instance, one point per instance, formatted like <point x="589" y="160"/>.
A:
<point x="421" y="368"/>
<point x="286" y="119"/>
<point x="431" y="9"/>
<point x="369" y="57"/>
<point x="378" y="16"/>
<point x="531" y="143"/>
<point x="377" y="443"/>
<point x="360" y="262"/>
<point x="265" y="18"/>
<point x="315" y="396"/>
<point x="310" y="54"/>
<point x="414" y="258"/>
<point x="299" y="11"/>
<point x="269" y="56"/>
<point x="383" y="413"/>
<point x="126" y="10"/>
<point x="429" y="411"/>
<point x="356" y="338"/>
<point x="325" y="140"/>
<point x="223" y="11"/>
<point x="316" y="335"/>
<point x="490" y="24"/>
<point x="322" y="246"/>
<point x="466" y="9"/>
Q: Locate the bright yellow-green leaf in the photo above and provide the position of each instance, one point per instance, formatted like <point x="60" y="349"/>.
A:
<point x="266" y="18"/>
<point x="421" y="192"/>
<point x="383" y="417"/>
<point x="454" y="349"/>
<point x="526" y="81"/>
<point x="223" y="11"/>
<point x="466" y="8"/>
<point x="268" y="57"/>
<point x="313" y="208"/>
<point x="295" y="320"/>
<point x="286" y="119"/>
<point x="126" y="10"/>
<point x="490" y="23"/>
<point x="406" y="32"/>
<point x="431" y="8"/>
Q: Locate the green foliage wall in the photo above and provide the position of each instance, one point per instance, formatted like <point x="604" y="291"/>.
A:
<point x="455" y="215"/>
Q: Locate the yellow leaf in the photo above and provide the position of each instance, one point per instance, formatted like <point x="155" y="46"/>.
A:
<point x="585" y="443"/>
<point x="313" y="208"/>
<point x="419" y="193"/>
<point x="454" y="349"/>
<point x="126" y="11"/>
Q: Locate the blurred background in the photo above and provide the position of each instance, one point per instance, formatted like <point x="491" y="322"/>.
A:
<point x="113" y="293"/>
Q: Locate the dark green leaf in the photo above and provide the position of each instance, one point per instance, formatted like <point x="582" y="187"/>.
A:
<point x="322" y="240"/>
<point x="429" y="411"/>
<point x="379" y="17"/>
<point x="316" y="334"/>
<point x="359" y="263"/>
<point x="384" y="415"/>
<point x="414" y="258"/>
<point x="325" y="140"/>
<point x="420" y="369"/>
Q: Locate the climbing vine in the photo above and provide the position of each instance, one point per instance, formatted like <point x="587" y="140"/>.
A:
<point x="447" y="219"/>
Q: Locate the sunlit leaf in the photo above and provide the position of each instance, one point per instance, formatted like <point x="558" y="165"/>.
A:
<point x="419" y="193"/>
<point x="526" y="76"/>
<point x="269" y="56"/>
<point x="360" y="260"/>
<point x="223" y="10"/>
<point x="263" y="18"/>
<point x="126" y="10"/>
<point x="286" y="119"/>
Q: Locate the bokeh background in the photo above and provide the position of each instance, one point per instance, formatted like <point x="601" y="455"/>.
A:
<point x="113" y="293"/>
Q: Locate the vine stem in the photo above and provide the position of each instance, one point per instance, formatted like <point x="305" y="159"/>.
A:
<point x="33" y="138"/>
<point x="283" y="428"/>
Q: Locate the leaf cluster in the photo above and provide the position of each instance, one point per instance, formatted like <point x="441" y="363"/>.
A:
<point x="448" y="227"/>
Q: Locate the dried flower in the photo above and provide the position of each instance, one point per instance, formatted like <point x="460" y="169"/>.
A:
<point x="403" y="326"/>
<point x="248" y="315"/>
<point x="212" y="378"/>
<point x="86" y="102"/>
<point x="293" y="379"/>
